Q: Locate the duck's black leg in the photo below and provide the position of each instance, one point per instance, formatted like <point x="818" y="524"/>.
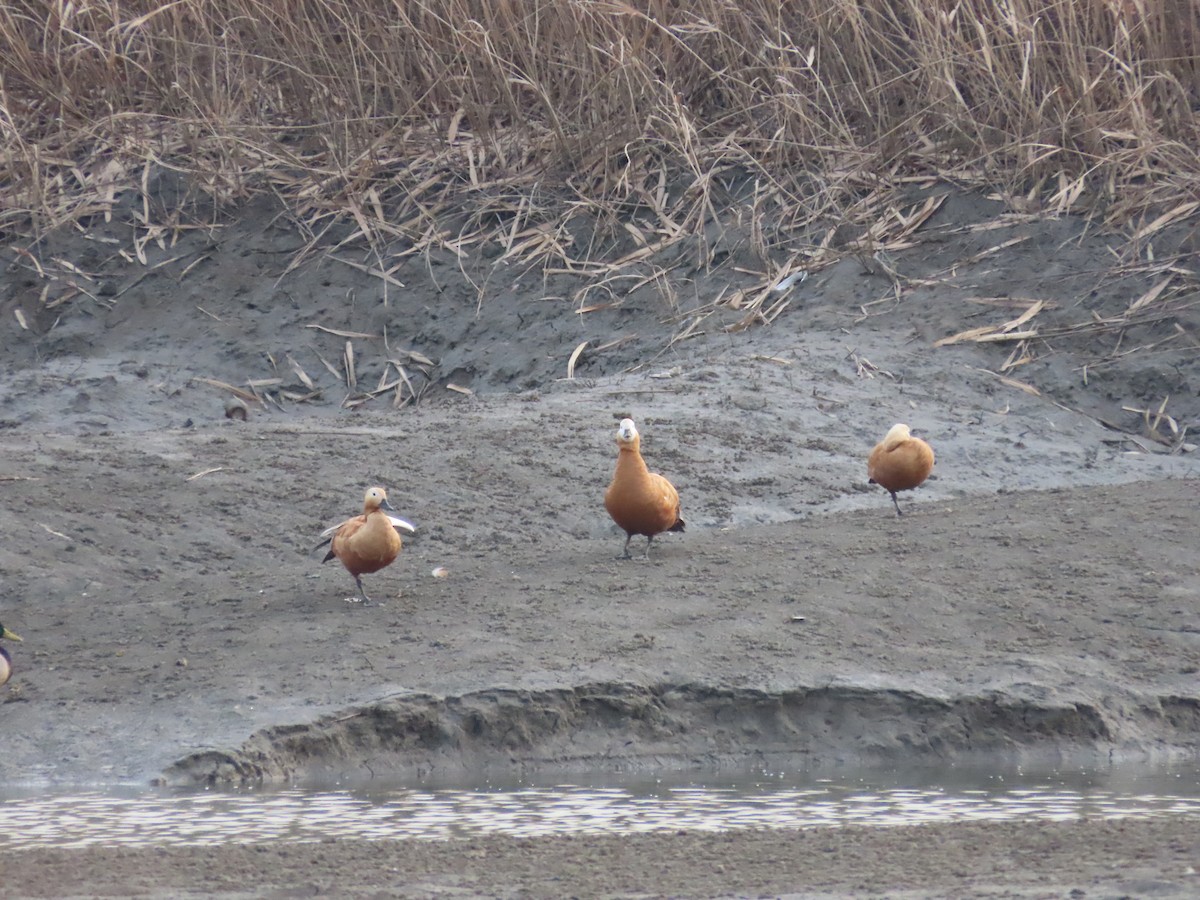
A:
<point x="626" y="554"/>
<point x="366" y="599"/>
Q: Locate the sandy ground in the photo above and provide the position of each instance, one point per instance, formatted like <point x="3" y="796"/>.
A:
<point x="1038" y="599"/>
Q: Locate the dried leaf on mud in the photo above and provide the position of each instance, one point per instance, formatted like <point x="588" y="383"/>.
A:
<point x="574" y="359"/>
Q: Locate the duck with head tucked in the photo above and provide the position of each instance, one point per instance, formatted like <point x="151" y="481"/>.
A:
<point x="366" y="543"/>
<point x="6" y="660"/>
<point x="900" y="462"/>
<point x="640" y="501"/>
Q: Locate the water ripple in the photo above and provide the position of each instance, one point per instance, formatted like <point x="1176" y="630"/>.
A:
<point x="161" y="818"/>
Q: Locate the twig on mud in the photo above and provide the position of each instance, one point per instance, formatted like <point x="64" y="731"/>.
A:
<point x="574" y="359"/>
<point x="300" y="373"/>
<point x="1177" y="446"/>
<point x="50" y="530"/>
<point x="346" y="334"/>
<point x="348" y="363"/>
<point x="1160" y="415"/>
<point x="201" y="474"/>
<point x="400" y="399"/>
<point x="1152" y="419"/>
<point x="129" y="287"/>
<point x="1006" y="331"/>
<point x="329" y="367"/>
<point x="1126" y="438"/>
<point x="864" y="368"/>
<point x="378" y="273"/>
<point x="1011" y="382"/>
<point x="864" y="307"/>
<point x="1019" y="356"/>
<point x="616" y="392"/>
<point x="828" y="401"/>
<point x="248" y="396"/>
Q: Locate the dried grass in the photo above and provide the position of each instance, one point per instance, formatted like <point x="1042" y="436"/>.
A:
<point x="380" y="122"/>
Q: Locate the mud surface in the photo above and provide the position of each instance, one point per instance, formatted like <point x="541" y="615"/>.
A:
<point x="1106" y="860"/>
<point x="1038" y="597"/>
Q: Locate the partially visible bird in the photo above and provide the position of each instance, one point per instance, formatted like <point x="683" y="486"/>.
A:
<point x="366" y="543"/>
<point x="899" y="462"/>
<point x="640" y="501"/>
<point x="5" y="659"/>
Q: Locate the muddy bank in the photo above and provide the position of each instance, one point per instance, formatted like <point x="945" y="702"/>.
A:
<point x="159" y="559"/>
<point x="105" y="341"/>
<point x="171" y="622"/>
<point x="599" y="728"/>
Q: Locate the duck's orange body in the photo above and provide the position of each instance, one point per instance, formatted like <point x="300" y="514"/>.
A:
<point x="5" y="659"/>
<point x="640" y="501"/>
<point x="369" y="542"/>
<point x="900" y="462"/>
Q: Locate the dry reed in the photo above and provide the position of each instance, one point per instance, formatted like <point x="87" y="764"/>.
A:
<point x="389" y="117"/>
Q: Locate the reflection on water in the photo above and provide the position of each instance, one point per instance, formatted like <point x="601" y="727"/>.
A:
<point x="214" y="817"/>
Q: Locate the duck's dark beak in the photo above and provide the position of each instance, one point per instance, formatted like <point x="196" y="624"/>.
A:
<point x="386" y="504"/>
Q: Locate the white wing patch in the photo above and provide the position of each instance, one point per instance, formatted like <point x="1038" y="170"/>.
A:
<point x="333" y="529"/>
<point x="396" y="521"/>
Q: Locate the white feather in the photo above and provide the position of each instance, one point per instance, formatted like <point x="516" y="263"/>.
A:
<point x="794" y="278"/>
<point x="332" y="529"/>
<point x="396" y="521"/>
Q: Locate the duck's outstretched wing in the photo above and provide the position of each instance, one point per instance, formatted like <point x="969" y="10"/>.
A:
<point x="330" y="533"/>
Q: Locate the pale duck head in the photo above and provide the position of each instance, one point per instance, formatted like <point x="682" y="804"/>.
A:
<point x="376" y="498"/>
<point x="627" y="433"/>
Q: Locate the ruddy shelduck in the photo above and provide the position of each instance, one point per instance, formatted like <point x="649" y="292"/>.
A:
<point x="640" y="501"/>
<point x="366" y="543"/>
<point x="5" y="659"/>
<point x="900" y="462"/>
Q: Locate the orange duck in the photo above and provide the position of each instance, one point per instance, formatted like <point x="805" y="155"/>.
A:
<point x="366" y="543"/>
<point x="640" y="501"/>
<point x="5" y="659"/>
<point x="899" y="462"/>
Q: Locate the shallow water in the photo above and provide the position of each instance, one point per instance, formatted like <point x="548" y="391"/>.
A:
<point x="134" y="818"/>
